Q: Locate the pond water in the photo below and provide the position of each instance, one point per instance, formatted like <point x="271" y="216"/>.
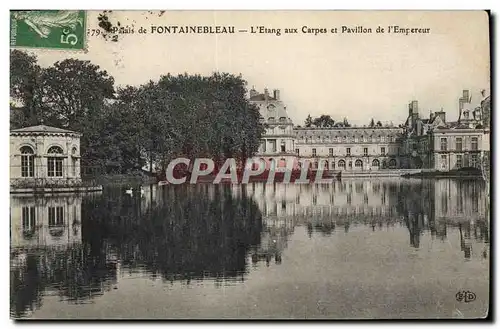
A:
<point x="353" y="249"/>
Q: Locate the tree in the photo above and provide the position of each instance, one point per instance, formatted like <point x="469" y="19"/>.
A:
<point x="372" y="123"/>
<point x="324" y="121"/>
<point x="74" y="90"/>
<point x="309" y="122"/>
<point x="379" y="124"/>
<point x="184" y="115"/>
<point x="24" y="86"/>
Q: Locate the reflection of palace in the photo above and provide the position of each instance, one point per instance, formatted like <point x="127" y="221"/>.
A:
<point x="45" y="222"/>
<point x="339" y="200"/>
<point x="418" y="205"/>
<point x="459" y="199"/>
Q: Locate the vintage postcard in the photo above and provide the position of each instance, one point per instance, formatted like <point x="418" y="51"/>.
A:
<point x="249" y="164"/>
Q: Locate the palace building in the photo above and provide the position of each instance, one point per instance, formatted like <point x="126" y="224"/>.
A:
<point x="420" y="143"/>
<point x="340" y="148"/>
<point x="436" y="144"/>
<point x="278" y="143"/>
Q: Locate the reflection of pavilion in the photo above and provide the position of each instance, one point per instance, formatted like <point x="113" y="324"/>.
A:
<point x="50" y="255"/>
<point x="49" y="221"/>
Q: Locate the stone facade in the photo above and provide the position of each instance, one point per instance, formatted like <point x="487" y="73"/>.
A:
<point x="358" y="148"/>
<point x="278" y="143"/>
<point x="434" y="143"/>
<point x="43" y="155"/>
<point x="455" y="148"/>
<point x="339" y="148"/>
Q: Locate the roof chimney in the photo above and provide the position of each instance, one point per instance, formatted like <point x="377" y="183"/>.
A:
<point x="276" y="94"/>
<point x="253" y="92"/>
<point x="266" y="94"/>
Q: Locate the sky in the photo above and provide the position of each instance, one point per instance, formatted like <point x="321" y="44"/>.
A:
<point x="358" y="76"/>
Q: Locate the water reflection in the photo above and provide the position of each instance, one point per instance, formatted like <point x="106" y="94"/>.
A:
<point x="78" y="247"/>
<point x="48" y="256"/>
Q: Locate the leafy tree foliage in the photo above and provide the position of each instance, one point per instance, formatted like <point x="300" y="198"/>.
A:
<point x="184" y="115"/>
<point x="324" y="121"/>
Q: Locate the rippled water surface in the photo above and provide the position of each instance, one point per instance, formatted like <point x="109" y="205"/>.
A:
<point x="352" y="249"/>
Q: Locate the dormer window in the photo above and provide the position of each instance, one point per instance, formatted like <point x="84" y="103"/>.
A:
<point x="271" y="119"/>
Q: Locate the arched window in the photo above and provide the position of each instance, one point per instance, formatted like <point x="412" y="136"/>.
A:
<point x="55" y="162"/>
<point x="325" y="165"/>
<point x="341" y="164"/>
<point x="392" y="163"/>
<point x="358" y="164"/>
<point x="27" y="162"/>
<point x="375" y="163"/>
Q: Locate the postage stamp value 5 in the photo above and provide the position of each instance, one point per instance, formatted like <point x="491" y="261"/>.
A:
<point x="56" y="29"/>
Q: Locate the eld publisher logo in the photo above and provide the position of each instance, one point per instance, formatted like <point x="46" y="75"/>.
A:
<point x="465" y="296"/>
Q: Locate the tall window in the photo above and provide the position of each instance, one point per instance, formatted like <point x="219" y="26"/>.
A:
<point x="458" y="144"/>
<point x="459" y="161"/>
<point x="330" y="152"/>
<point x="382" y="150"/>
<point x="27" y="162"/>
<point x="473" y="160"/>
<point x="56" y="216"/>
<point x="28" y="217"/>
<point x="443" y="161"/>
<point x="473" y="143"/>
<point x="54" y="163"/>
<point x="273" y="145"/>
<point x="314" y="152"/>
<point x="444" y="144"/>
<point x="365" y="151"/>
<point x="283" y="147"/>
<point x="297" y="151"/>
<point x="348" y="151"/>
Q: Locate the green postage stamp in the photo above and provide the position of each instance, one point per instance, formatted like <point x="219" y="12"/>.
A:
<point x="56" y="29"/>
